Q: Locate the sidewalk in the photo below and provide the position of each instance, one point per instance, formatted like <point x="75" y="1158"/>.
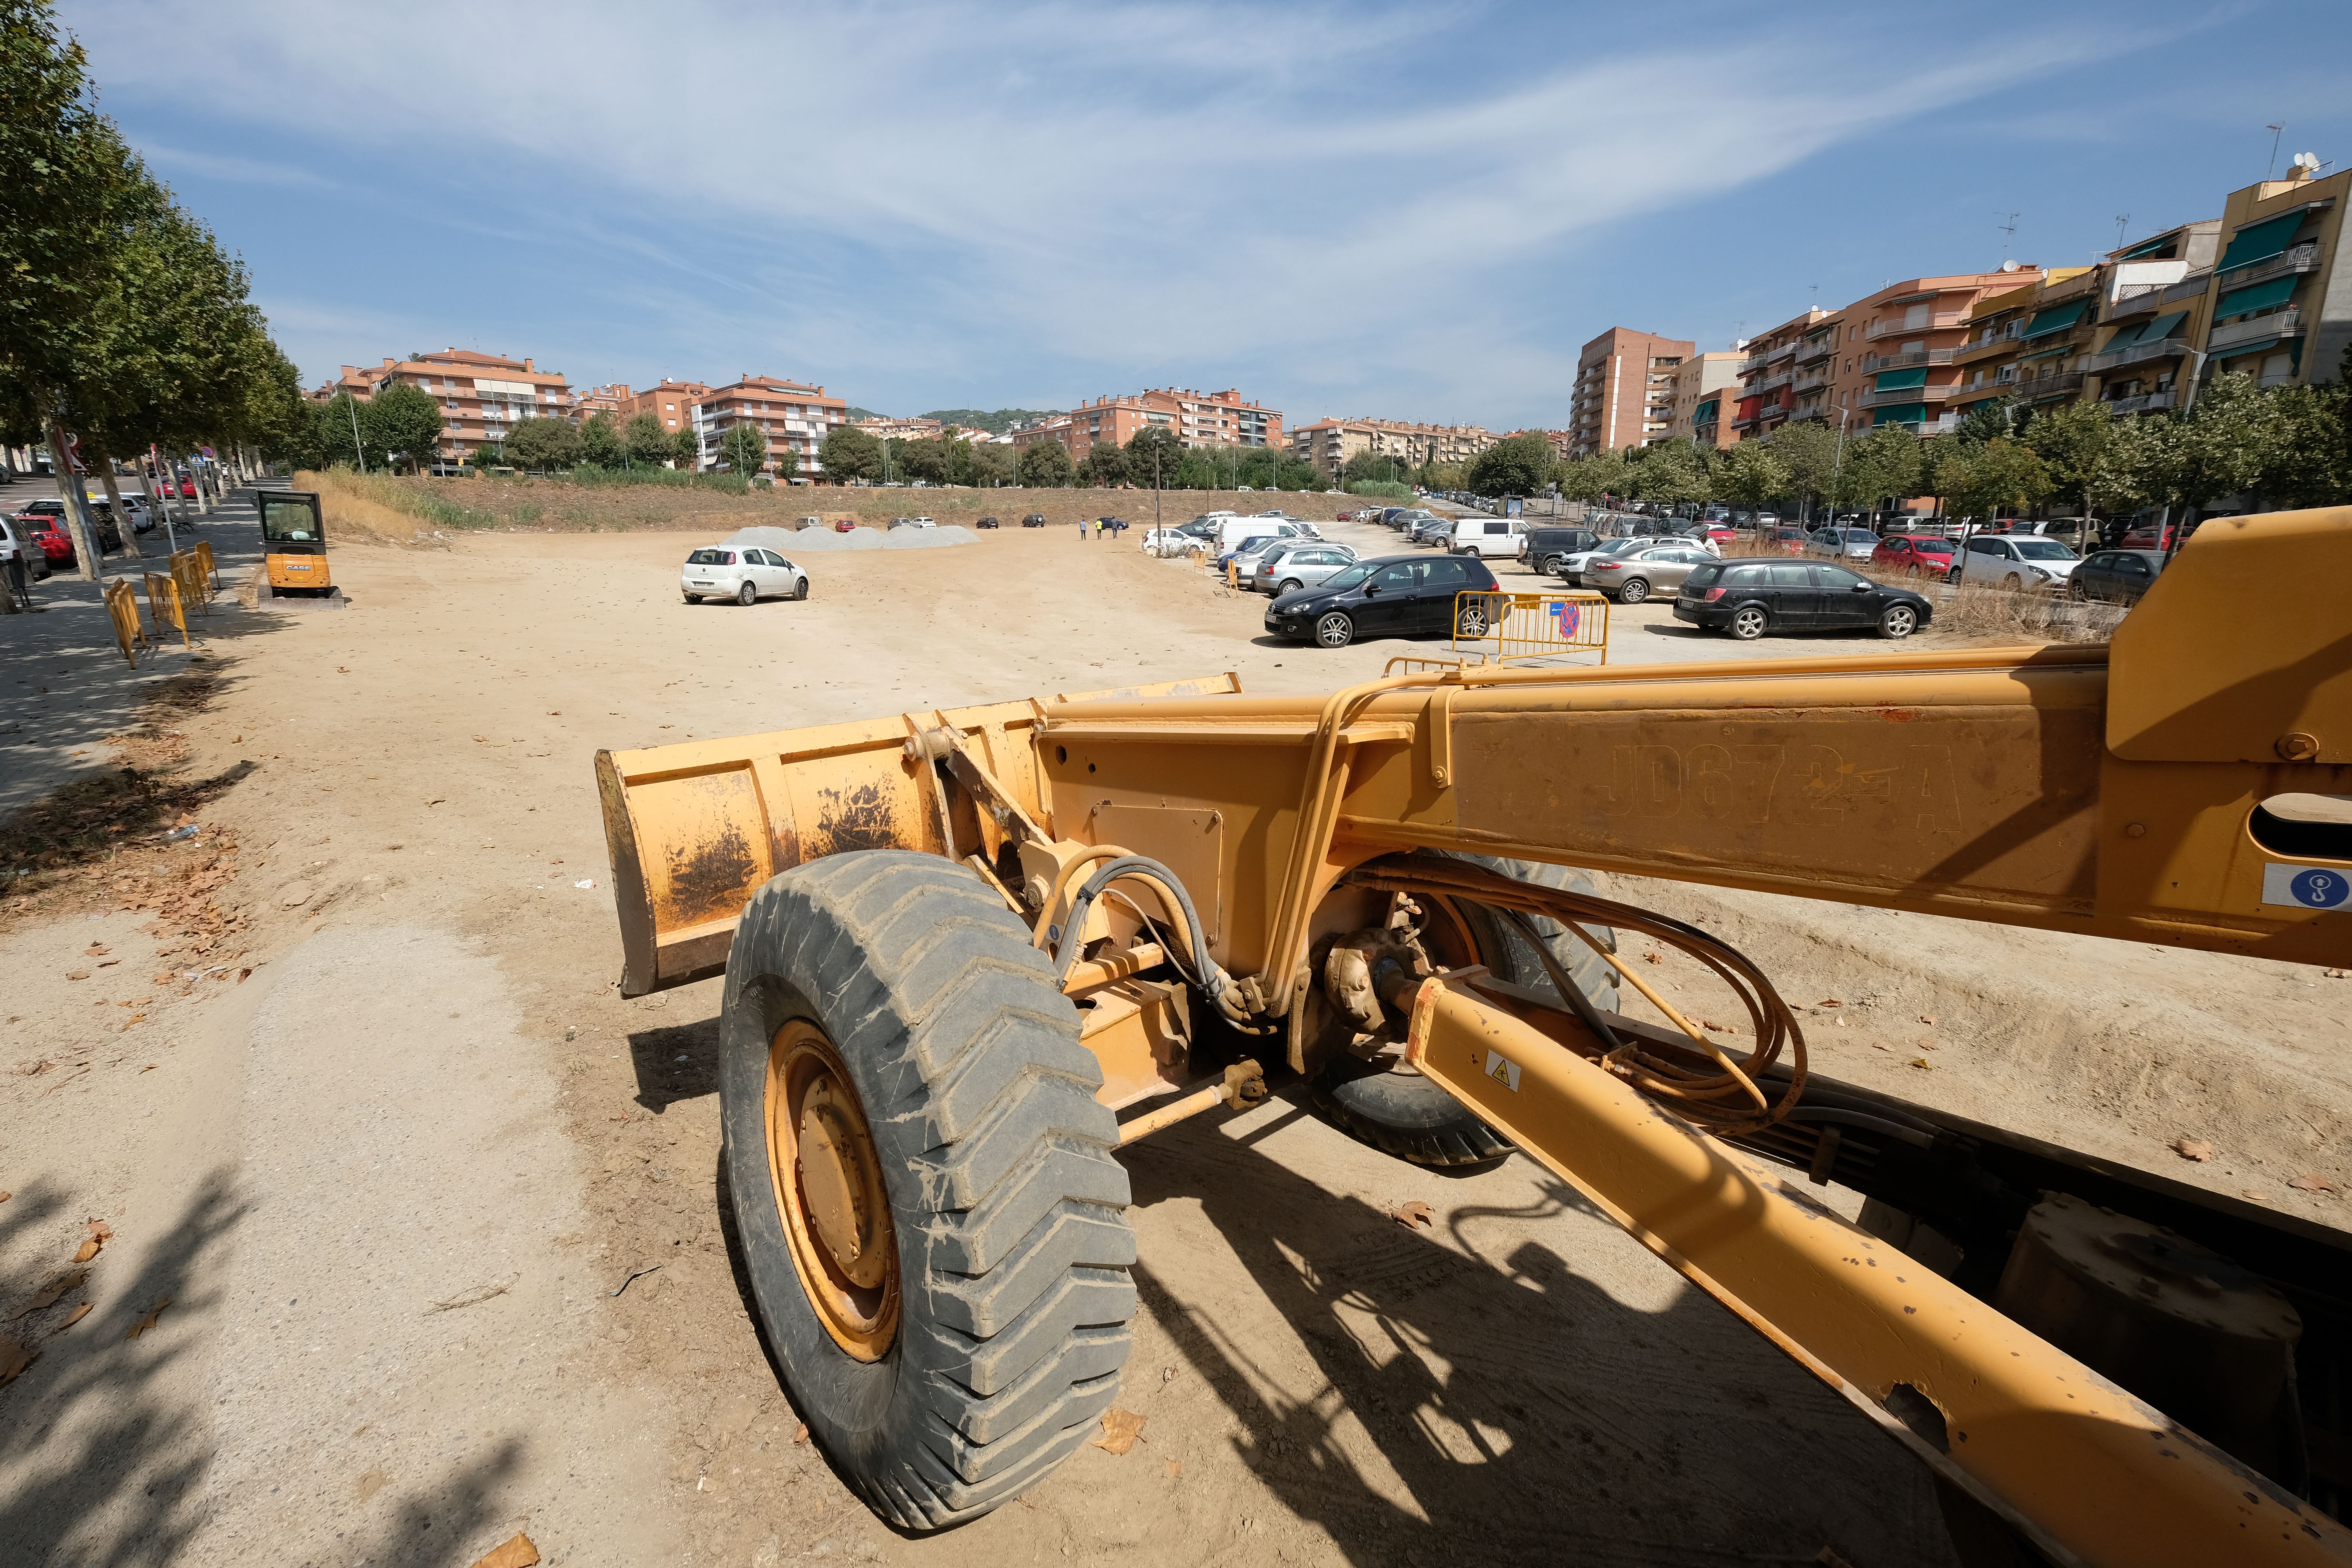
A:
<point x="64" y="686"/>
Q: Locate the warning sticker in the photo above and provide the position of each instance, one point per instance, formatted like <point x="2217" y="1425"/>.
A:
<point x="1503" y="1071"/>
<point x="2306" y="887"/>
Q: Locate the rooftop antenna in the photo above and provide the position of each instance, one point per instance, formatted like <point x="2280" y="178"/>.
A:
<point x="2009" y="233"/>
<point x="2275" y="127"/>
<point x="2123" y="221"/>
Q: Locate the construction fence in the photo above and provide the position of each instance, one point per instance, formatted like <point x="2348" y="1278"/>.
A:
<point x="1507" y="629"/>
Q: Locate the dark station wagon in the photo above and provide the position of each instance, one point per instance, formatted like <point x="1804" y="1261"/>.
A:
<point x="1748" y="598"/>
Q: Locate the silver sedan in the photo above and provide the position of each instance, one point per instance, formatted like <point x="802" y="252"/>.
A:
<point x="1572" y="568"/>
<point x="1629" y="579"/>
<point x="1300" y="566"/>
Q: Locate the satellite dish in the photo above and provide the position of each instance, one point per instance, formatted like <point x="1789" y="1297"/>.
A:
<point x="2009" y="266"/>
<point x="2306" y="161"/>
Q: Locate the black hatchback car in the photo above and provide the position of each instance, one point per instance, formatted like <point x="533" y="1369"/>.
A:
<point x="1035" y="520"/>
<point x="1393" y="595"/>
<point x="2120" y="575"/>
<point x="1748" y="598"/>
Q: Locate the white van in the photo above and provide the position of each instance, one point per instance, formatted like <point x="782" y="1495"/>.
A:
<point x="1233" y="532"/>
<point x="1484" y="536"/>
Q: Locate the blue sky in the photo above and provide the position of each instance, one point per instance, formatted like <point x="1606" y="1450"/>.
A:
<point x="1415" y="211"/>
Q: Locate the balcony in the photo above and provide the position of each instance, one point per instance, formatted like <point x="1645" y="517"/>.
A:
<point x="2254" y="329"/>
<point x="2135" y="299"/>
<point x="2303" y="258"/>
<point x="1813" y="353"/>
<point x="2167" y="348"/>
<point x="1976" y="391"/>
<point x="1745" y="421"/>
<point x="1783" y="351"/>
<point x="2191" y="288"/>
<point x="1770" y="383"/>
<point x="1896" y="328"/>
<point x="1904" y="361"/>
<point x="2042" y="387"/>
<point x="2145" y="403"/>
<point x="1752" y="364"/>
<point x="1894" y="397"/>
<point x="1811" y="381"/>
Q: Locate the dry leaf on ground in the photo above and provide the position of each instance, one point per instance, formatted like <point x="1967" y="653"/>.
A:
<point x="1923" y="1064"/>
<point x="2255" y="1196"/>
<point x="1121" y="1429"/>
<point x="76" y="1316"/>
<point x="88" y="1250"/>
<point x="1927" y="1017"/>
<point x="800" y="1432"/>
<point x="1415" y="1215"/>
<point x="70" y="1280"/>
<point x="147" y="1323"/>
<point x="516" y="1553"/>
<point x="78" y="975"/>
<point x="2192" y="1148"/>
<point x="1175" y="1468"/>
<point x="2311" y="1182"/>
<point x="1829" y="1002"/>
<point x="14" y="1359"/>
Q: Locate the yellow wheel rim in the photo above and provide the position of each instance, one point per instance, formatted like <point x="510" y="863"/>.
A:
<point x="829" y="1192"/>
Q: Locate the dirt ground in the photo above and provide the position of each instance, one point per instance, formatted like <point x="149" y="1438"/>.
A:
<point x="416" y="1219"/>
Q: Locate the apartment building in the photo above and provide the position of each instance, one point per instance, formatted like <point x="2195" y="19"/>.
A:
<point x="2282" y="306"/>
<point x="600" y="400"/>
<point x="1766" y="398"/>
<point x="793" y="416"/>
<point x="1705" y="388"/>
<point x="1329" y="442"/>
<point x="1623" y="392"/>
<point x="1198" y="419"/>
<point x="353" y="380"/>
<point x="671" y="402"/>
<point x="1214" y="418"/>
<point x="883" y="429"/>
<point x="481" y="396"/>
<point x="1897" y="349"/>
<point x="2154" y="310"/>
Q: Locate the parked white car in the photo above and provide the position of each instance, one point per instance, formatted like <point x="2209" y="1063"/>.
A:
<point x="1484" y="536"/>
<point x="1297" y="566"/>
<point x="2016" y="561"/>
<point x="742" y="574"/>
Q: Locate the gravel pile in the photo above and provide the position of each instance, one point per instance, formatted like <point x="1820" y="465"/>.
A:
<point x="789" y="542"/>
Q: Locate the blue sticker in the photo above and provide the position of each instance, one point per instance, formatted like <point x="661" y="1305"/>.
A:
<point x="2321" y="889"/>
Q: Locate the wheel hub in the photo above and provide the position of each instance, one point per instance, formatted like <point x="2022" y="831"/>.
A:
<point x="830" y="1193"/>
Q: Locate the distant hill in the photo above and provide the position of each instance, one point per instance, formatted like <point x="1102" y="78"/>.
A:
<point x="856" y="414"/>
<point x="995" y="421"/>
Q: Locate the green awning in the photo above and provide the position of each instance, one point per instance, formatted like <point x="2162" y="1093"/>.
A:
<point x="2251" y="346"/>
<point x="2163" y="327"/>
<point x="2261" y="241"/>
<point x="2260" y="297"/>
<point x="1704" y="412"/>
<point x="2047" y="354"/>
<point x="1896" y="380"/>
<point x="2146" y="249"/>
<point x="2126" y="338"/>
<point x="2058" y="318"/>
<point x="1903" y="414"/>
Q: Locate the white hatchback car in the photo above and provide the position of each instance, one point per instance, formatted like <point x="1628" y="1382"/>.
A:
<point x="741" y="573"/>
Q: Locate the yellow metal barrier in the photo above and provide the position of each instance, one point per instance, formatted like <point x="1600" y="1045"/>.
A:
<point x="1512" y="626"/>
<point x="123" y="609"/>
<point x="187" y="570"/>
<point x="164" y="606"/>
<point x="203" y="554"/>
<point x="1417" y="664"/>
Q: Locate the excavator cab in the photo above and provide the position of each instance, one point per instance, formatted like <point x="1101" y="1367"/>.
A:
<point x="294" y="543"/>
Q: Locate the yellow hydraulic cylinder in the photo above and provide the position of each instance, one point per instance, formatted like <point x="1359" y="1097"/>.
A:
<point x="2088" y="1471"/>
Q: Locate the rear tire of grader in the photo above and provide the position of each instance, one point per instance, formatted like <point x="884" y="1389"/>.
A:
<point x="924" y="1187"/>
<point x="1400" y="1112"/>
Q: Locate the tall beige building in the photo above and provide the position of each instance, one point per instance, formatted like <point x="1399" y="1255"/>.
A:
<point x="1329" y="442"/>
<point x="1624" y="393"/>
<point x="1705" y="386"/>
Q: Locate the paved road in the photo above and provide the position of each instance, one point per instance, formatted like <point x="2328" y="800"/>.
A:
<point x="64" y="686"/>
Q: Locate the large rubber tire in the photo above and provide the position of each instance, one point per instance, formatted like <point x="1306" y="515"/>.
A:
<point x="1005" y="1200"/>
<point x="1335" y="628"/>
<point x="1405" y="1114"/>
<point x="1749" y="622"/>
<point x="747" y="595"/>
<point x="1632" y="590"/>
<point x="799" y="588"/>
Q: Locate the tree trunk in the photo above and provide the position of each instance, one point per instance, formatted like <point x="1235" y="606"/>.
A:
<point x="69" y="490"/>
<point x="121" y="513"/>
<point x="160" y="484"/>
<point x="204" y="495"/>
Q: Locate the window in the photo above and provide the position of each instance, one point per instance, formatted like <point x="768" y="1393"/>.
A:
<point x="1791" y="575"/>
<point x="1838" y="577"/>
<point x="1396" y="579"/>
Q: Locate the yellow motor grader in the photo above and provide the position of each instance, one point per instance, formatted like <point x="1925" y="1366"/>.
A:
<point x="970" y="952"/>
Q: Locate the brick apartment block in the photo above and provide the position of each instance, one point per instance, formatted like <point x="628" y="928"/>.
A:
<point x="1329" y="442"/>
<point x="794" y="417"/>
<point x="481" y="396"/>
<point x="1624" y="393"/>
<point x="1198" y="419"/>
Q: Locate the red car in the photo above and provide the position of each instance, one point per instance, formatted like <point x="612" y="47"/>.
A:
<point x="188" y="488"/>
<point x="1914" y="554"/>
<point x="2155" y="538"/>
<point x="1788" y="541"/>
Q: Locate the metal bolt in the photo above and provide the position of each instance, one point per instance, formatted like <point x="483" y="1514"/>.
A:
<point x="2298" y="747"/>
<point x="2135" y="830"/>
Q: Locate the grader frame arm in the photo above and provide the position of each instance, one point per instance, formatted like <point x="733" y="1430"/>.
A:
<point x="2131" y="791"/>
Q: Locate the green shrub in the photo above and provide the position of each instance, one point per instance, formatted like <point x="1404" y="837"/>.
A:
<point x="1380" y="488"/>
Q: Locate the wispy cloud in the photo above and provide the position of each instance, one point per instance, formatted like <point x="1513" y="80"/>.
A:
<point x="1335" y="200"/>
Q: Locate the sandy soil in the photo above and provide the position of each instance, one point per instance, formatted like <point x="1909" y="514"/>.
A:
<point x="434" y="1209"/>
